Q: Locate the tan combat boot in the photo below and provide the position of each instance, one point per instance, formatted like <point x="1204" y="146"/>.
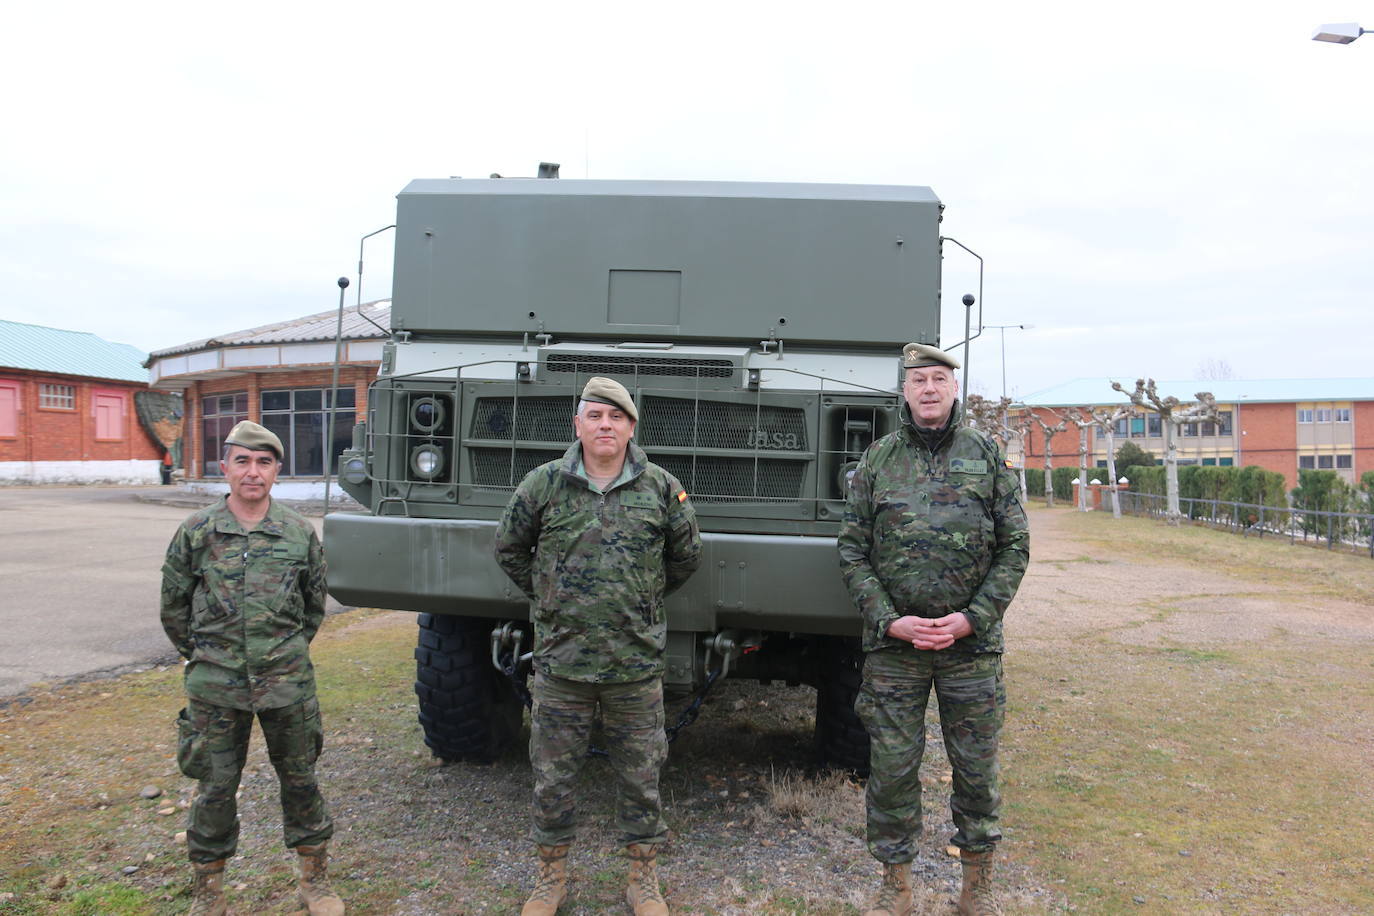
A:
<point x="551" y="887"/>
<point x="641" y="892"/>
<point x="976" y="898"/>
<point x="207" y="889"/>
<point x="313" y="886"/>
<point x="894" y="897"/>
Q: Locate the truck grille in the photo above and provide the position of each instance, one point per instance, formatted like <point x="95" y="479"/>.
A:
<point x="667" y="423"/>
<point x="695" y="423"/>
<point x="537" y="419"/>
<point x="588" y="364"/>
<point x="716" y="479"/>
<point x="492" y="467"/>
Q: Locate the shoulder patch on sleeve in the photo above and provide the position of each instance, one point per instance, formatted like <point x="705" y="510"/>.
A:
<point x="682" y="496"/>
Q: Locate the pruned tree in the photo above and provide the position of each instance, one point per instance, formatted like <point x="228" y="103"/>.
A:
<point x="1021" y="429"/>
<point x="1084" y="421"/>
<point x="1106" y="421"/>
<point x="993" y="417"/>
<point x="1174" y="413"/>
<point x="989" y="416"/>
<point x="1048" y="430"/>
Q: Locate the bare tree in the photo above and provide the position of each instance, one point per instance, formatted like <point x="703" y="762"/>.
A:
<point x="989" y="416"/>
<point x="1106" y="421"/>
<point x="994" y="418"/>
<point x="1084" y="421"/>
<point x="1048" y="431"/>
<point x="1020" y="430"/>
<point x="1174" y="413"/>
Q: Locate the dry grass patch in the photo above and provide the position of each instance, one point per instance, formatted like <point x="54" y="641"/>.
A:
<point x="1196" y="748"/>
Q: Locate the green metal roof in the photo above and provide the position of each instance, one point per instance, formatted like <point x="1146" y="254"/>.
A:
<point x="80" y="353"/>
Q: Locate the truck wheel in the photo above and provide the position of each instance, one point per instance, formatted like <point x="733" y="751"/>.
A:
<point x="841" y="739"/>
<point x="468" y="709"/>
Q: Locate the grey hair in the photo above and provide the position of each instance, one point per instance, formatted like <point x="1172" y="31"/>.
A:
<point x="583" y="405"/>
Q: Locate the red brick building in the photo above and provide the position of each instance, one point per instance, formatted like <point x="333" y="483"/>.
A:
<point x="67" y="411"/>
<point x="1282" y="425"/>
<point x="278" y="375"/>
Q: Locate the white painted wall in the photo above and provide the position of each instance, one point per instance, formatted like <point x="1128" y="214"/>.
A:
<point x="134" y="472"/>
<point x="283" y="489"/>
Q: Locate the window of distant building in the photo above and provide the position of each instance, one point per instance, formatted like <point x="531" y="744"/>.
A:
<point x="1121" y="427"/>
<point x="300" y="418"/>
<point x="1227" y="462"/>
<point x="1325" y="462"/>
<point x="219" y="413"/>
<point x="1321" y="415"/>
<point x="1154" y="424"/>
<point x="1341" y="414"/>
<point x="57" y="397"/>
<point x="1223" y="422"/>
<point x="1344" y="461"/>
<point x="1307" y="462"/>
<point x="1304" y="415"/>
<point x="111" y="409"/>
<point x="1137" y="427"/>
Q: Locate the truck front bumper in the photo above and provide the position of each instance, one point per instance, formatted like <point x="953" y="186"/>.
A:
<point x="779" y="583"/>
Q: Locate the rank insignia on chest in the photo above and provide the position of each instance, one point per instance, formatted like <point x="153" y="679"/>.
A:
<point x="968" y="466"/>
<point x="638" y="500"/>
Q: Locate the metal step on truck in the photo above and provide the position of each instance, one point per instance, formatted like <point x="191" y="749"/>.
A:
<point x="758" y="327"/>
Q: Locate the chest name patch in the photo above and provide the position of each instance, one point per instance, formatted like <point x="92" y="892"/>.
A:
<point x="639" y="500"/>
<point x="968" y="466"/>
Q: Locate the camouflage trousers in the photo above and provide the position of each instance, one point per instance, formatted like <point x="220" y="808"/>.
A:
<point x="892" y="705"/>
<point x="213" y="747"/>
<point x="560" y="730"/>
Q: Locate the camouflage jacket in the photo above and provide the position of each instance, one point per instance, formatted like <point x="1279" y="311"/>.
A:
<point x="596" y="565"/>
<point x="242" y="606"/>
<point x="932" y="532"/>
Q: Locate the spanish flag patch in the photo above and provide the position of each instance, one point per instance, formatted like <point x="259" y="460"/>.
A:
<point x="682" y="496"/>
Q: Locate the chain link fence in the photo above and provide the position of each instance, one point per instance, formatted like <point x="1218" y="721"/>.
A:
<point x="1350" y="531"/>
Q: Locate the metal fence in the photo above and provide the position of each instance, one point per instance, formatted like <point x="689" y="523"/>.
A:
<point x="1352" y="531"/>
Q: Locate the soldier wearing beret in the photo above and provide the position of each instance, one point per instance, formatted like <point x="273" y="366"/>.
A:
<point x="933" y="546"/>
<point x="243" y="592"/>
<point x="596" y="539"/>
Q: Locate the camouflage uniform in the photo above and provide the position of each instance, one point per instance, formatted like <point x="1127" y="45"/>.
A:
<point x="241" y="607"/>
<point x="931" y="529"/>
<point x="596" y="566"/>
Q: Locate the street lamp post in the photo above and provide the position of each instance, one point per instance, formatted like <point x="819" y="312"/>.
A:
<point x="1341" y="33"/>
<point x="1003" y="329"/>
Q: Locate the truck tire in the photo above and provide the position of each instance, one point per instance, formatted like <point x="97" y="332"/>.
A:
<point x="468" y="709"/>
<point x="841" y="739"/>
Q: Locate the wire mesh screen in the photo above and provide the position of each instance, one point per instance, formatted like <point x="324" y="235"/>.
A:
<point x="537" y="419"/>
<point x="638" y="365"/>
<point x="494" y="467"/>
<point x="718" y="479"/>
<point x="688" y="423"/>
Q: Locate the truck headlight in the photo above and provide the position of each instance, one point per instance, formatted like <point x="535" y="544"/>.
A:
<point x="427" y="461"/>
<point x="354" y="469"/>
<point x="427" y="414"/>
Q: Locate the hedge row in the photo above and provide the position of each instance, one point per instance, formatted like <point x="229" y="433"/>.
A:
<point x="1251" y="484"/>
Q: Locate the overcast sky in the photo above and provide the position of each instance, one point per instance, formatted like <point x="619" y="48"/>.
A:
<point x="1152" y="186"/>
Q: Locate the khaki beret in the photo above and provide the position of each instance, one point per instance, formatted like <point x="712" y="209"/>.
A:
<point x="609" y="391"/>
<point x="915" y="355"/>
<point x="252" y="436"/>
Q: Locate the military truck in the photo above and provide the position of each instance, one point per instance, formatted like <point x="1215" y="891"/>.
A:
<point x="757" y="325"/>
